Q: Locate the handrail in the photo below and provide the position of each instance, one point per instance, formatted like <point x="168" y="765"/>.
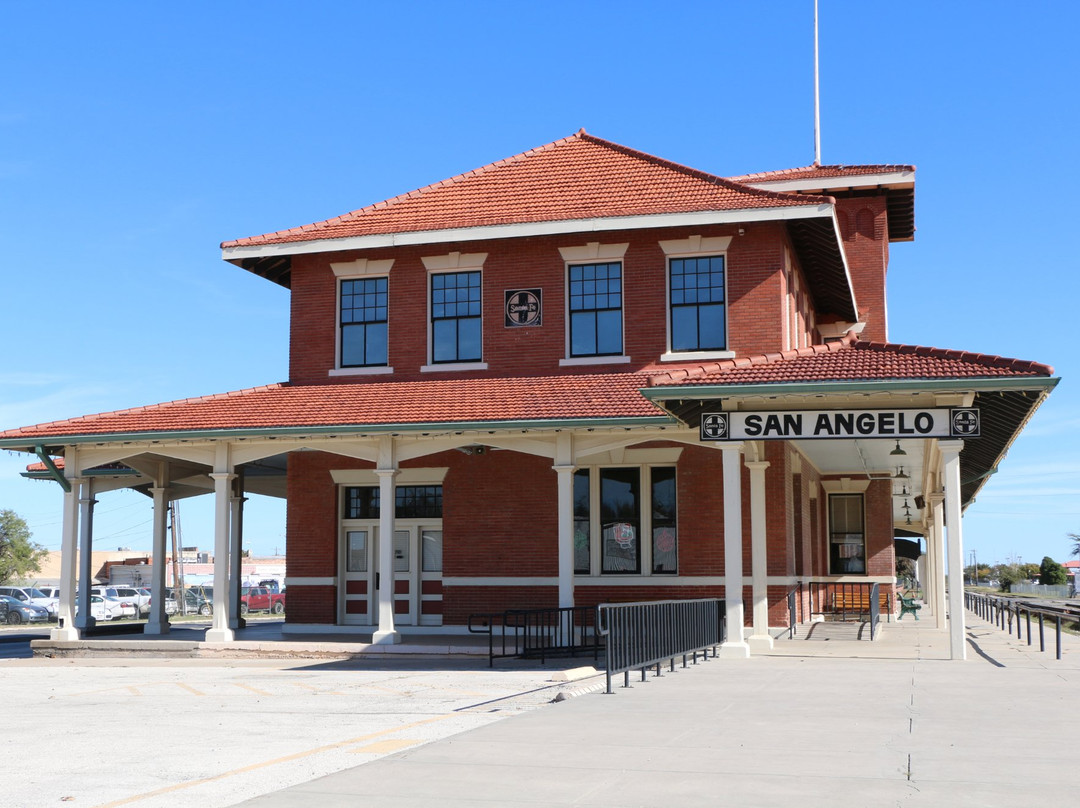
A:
<point x="1000" y="612"/>
<point x="641" y="635"/>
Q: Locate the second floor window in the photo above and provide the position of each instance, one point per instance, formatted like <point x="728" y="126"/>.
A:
<point x="363" y="322"/>
<point x="455" y="317"/>
<point x="595" y="295"/>
<point x="697" y="304"/>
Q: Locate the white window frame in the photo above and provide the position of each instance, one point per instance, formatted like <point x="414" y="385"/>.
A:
<point x="695" y="247"/>
<point x="360" y="269"/>
<point x="593" y="253"/>
<point x="449" y="264"/>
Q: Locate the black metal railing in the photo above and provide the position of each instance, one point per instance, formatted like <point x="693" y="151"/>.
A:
<point x="638" y="636"/>
<point x="875" y="609"/>
<point x="794" y="600"/>
<point x="539" y="633"/>
<point x="1001" y="612"/>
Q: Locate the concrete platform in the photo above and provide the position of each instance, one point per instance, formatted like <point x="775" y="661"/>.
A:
<point x="894" y="722"/>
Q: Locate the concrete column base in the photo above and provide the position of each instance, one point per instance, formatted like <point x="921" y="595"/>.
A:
<point x="68" y="634"/>
<point x="734" y="650"/>
<point x="759" y="643"/>
<point x="153" y="627"/>
<point x="385" y="638"/>
<point x="220" y="635"/>
<point x="84" y="622"/>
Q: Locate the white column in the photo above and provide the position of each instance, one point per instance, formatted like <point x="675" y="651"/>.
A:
<point x="950" y="452"/>
<point x="386" y="633"/>
<point x="564" y="468"/>
<point x="159" y="621"/>
<point x="83" y="618"/>
<point x="65" y="623"/>
<point x="937" y="503"/>
<point x="220" y="630"/>
<point x="735" y="647"/>
<point x="760" y="639"/>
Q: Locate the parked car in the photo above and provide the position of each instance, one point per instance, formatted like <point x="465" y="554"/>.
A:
<point x="194" y="602"/>
<point x="261" y="599"/>
<point x="102" y="608"/>
<point x="124" y="595"/>
<point x="30" y="594"/>
<point x="19" y="611"/>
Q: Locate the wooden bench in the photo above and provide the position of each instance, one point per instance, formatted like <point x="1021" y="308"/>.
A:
<point x="858" y="601"/>
<point x="908" y="606"/>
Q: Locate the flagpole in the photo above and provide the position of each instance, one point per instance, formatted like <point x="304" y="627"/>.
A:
<point x="817" y="93"/>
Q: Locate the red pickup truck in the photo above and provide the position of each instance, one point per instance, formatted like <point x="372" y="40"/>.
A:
<point x="261" y="599"/>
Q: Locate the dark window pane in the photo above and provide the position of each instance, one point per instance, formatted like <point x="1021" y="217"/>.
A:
<point x="469" y="340"/>
<point x="418" y="502"/>
<point x="620" y="519"/>
<point x="455" y="314"/>
<point x="362" y="502"/>
<point x="665" y="536"/>
<point x="609" y="332"/>
<point x="847" y="538"/>
<point x="582" y="539"/>
<point x="375" y="353"/>
<point x="583" y="334"/>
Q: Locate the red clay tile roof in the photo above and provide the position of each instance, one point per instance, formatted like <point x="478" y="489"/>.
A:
<point x="355" y="406"/>
<point x="848" y="361"/>
<point x="578" y="177"/>
<point x="819" y="172"/>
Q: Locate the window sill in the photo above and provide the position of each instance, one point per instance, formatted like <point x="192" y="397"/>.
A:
<point x="694" y="356"/>
<point x="594" y="360"/>
<point x="452" y="366"/>
<point x="372" y="371"/>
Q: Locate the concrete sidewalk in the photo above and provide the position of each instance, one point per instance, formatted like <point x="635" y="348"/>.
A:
<point x="817" y="722"/>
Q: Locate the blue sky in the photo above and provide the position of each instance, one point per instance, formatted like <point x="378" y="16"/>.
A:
<point x="135" y="137"/>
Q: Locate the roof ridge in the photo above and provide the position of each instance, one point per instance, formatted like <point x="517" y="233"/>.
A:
<point x="682" y="374"/>
<point x="386" y="203"/>
<point x="781" y="172"/>
<point x="725" y="182"/>
<point x="989" y="360"/>
<point x="581" y="135"/>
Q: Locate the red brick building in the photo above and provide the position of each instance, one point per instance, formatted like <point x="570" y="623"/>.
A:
<point x="578" y="373"/>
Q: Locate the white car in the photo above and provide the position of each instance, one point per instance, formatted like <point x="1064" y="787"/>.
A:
<point x="106" y="608"/>
<point x="128" y="597"/>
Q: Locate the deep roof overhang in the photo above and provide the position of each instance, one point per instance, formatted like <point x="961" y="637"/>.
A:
<point x="898" y="188"/>
<point x="1006" y="405"/>
<point x="812" y="228"/>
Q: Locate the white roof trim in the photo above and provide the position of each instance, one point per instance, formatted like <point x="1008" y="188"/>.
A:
<point x="527" y="229"/>
<point x="893" y="179"/>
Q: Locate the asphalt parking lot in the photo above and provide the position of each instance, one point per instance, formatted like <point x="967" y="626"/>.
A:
<point x="163" y="732"/>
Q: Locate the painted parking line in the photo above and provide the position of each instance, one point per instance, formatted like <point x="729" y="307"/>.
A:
<point x="385" y="747"/>
<point x="274" y="762"/>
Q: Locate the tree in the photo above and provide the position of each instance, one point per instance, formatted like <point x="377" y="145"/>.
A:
<point x="1052" y="573"/>
<point x="1029" y="572"/>
<point x="1075" y="538"/>
<point x="18" y="555"/>
<point x="1009" y="575"/>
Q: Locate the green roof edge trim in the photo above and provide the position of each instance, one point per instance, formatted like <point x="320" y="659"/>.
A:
<point x="975" y="384"/>
<point x="18" y="444"/>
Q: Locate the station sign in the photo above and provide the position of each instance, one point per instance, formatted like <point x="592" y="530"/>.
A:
<point x="841" y="424"/>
